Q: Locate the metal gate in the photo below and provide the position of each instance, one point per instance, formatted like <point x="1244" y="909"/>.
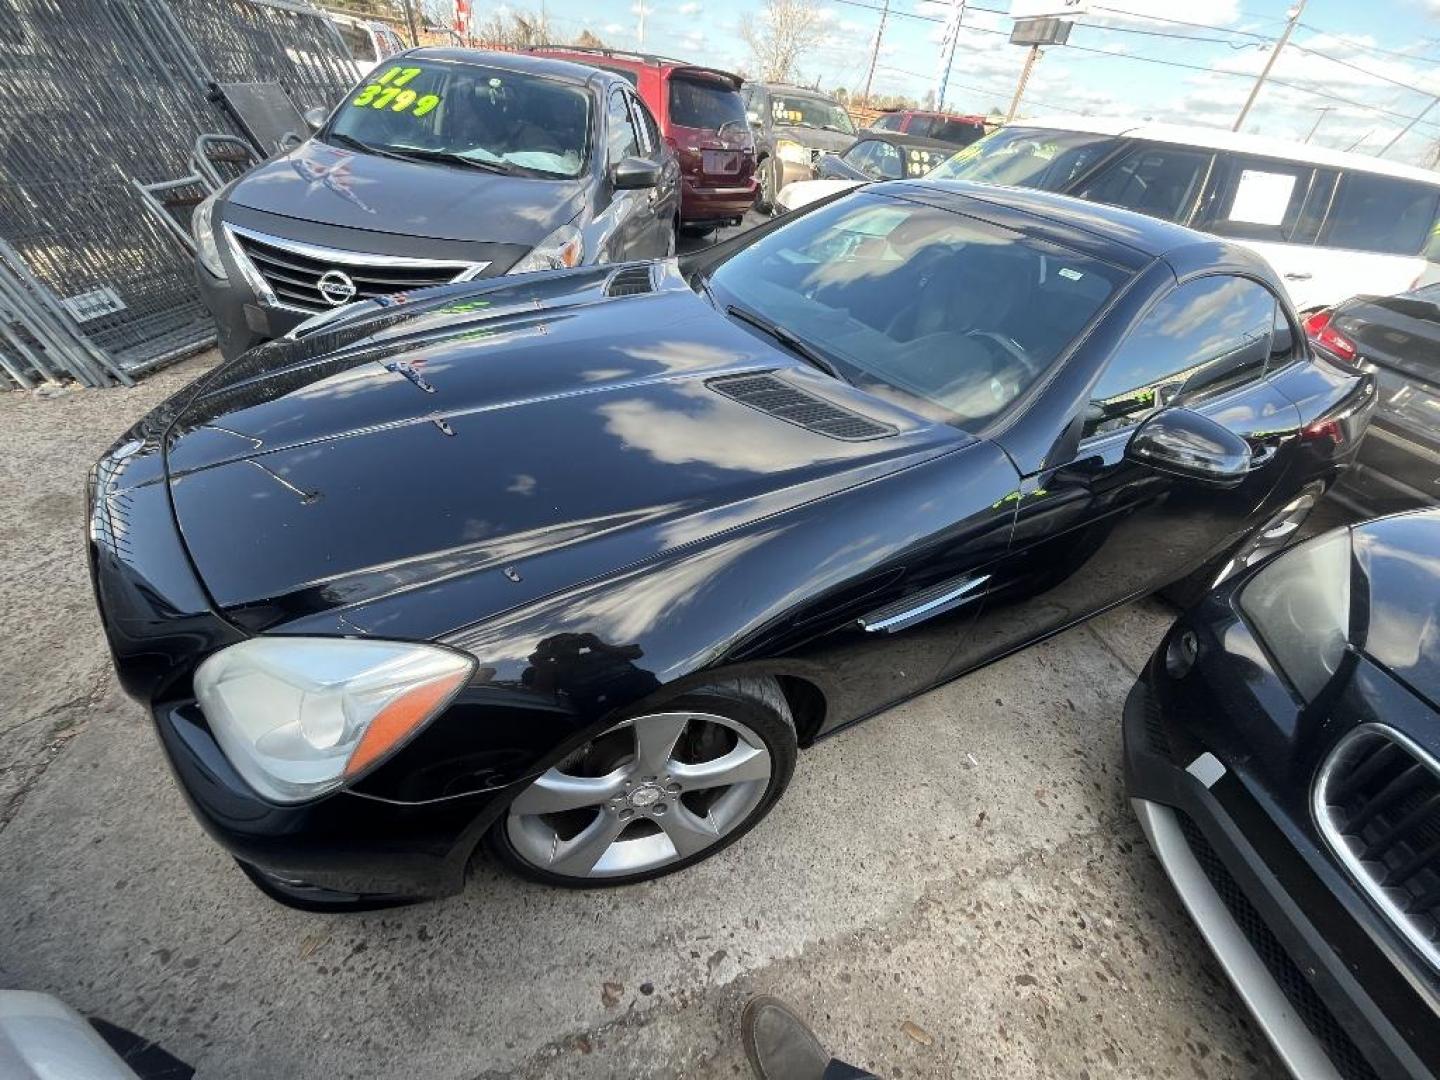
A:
<point x="100" y="101"/>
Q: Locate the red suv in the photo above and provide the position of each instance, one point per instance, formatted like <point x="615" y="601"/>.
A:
<point x="702" y="119"/>
<point x="946" y="127"/>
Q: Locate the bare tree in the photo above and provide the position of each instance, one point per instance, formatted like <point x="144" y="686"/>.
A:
<point x="780" y="34"/>
<point x="515" y="29"/>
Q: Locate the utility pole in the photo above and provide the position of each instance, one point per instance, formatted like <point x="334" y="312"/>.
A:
<point x="1294" y="14"/>
<point x="410" y="18"/>
<point x="1030" y="58"/>
<point x="1320" y="116"/>
<point x="875" y="52"/>
<point x="640" y="7"/>
<point x="948" y="51"/>
<point x="1406" y="129"/>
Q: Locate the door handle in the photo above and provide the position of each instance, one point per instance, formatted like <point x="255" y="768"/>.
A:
<point x="1299" y="275"/>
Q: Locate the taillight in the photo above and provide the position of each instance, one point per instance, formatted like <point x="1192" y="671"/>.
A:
<point x="1318" y="329"/>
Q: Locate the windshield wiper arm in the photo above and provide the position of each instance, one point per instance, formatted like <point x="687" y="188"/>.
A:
<point x="799" y="347"/>
<point x="353" y="143"/>
<point x="417" y="153"/>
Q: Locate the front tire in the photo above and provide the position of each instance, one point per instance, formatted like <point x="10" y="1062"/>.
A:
<point x="769" y="186"/>
<point x="656" y="792"/>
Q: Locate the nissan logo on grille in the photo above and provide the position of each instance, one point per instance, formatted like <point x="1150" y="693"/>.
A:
<point x="336" y="287"/>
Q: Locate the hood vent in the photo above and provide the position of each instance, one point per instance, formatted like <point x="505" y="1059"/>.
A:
<point x="630" y="281"/>
<point x="775" y="396"/>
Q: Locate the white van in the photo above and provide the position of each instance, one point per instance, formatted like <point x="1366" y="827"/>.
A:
<point x="1333" y="224"/>
<point x="368" y="40"/>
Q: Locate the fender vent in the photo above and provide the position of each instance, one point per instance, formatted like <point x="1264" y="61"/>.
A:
<point x="784" y="402"/>
<point x="630" y="281"/>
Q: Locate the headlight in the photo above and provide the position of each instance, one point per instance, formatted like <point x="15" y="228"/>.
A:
<point x="791" y="151"/>
<point x="563" y="247"/>
<point x="298" y="717"/>
<point x="1299" y="604"/>
<point x="203" y="228"/>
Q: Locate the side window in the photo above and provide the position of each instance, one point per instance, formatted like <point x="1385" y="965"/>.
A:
<point x="1207" y="336"/>
<point x="648" y="128"/>
<point x="886" y="162"/>
<point x="620" y="131"/>
<point x="1258" y="199"/>
<point x="859" y="154"/>
<point x="1282" y="342"/>
<point x="1380" y="213"/>
<point x="888" y="122"/>
<point x="1162" y="181"/>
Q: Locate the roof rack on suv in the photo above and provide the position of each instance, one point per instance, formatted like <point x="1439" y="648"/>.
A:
<point x="614" y="54"/>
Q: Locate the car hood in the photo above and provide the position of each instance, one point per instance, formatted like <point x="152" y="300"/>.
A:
<point x="536" y="431"/>
<point x="814" y="138"/>
<point x="1400" y="559"/>
<point x="318" y="182"/>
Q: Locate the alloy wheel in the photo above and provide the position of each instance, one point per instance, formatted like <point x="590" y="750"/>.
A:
<point x="646" y="793"/>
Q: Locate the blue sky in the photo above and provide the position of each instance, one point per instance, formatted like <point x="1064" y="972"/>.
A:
<point x="1395" y="42"/>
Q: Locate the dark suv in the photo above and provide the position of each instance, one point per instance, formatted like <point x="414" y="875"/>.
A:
<point x="443" y="165"/>
<point x="702" y="119"/>
<point x="794" y="127"/>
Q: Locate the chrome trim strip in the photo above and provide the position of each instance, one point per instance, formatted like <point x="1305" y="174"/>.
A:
<point x="1324" y="821"/>
<point x="1294" y="1043"/>
<point x="943" y="602"/>
<point x="465" y="271"/>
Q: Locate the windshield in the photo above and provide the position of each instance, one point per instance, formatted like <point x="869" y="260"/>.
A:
<point x="1026" y="157"/>
<point x="697" y="103"/>
<point x="512" y="122"/>
<point x="805" y="111"/>
<point x="945" y="314"/>
<point x="948" y="129"/>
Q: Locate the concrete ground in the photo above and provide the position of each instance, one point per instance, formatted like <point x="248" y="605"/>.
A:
<point x="955" y="889"/>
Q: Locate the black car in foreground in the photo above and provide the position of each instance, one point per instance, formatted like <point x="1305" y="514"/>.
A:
<point x="1397" y="338"/>
<point x="443" y="165"/>
<point x="1282" y="751"/>
<point x="575" y="562"/>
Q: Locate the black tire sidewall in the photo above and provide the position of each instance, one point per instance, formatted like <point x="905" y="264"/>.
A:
<point x="778" y="734"/>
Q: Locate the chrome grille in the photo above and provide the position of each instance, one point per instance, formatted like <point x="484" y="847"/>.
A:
<point x="286" y="273"/>
<point x="1377" y="803"/>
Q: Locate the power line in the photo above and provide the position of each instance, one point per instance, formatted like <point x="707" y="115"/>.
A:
<point x="1362" y="47"/>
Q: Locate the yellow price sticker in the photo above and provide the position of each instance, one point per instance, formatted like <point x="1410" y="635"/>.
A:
<point x="388" y="91"/>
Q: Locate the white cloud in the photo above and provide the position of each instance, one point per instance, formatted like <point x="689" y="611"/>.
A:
<point x="692" y="8"/>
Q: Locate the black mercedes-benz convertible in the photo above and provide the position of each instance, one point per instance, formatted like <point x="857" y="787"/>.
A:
<point x="573" y="563"/>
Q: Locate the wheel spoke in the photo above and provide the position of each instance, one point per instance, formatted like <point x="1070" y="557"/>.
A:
<point x="743" y="763"/>
<point x="555" y="792"/>
<point x="686" y="830"/>
<point x="580" y="853"/>
<point x="655" y="738"/>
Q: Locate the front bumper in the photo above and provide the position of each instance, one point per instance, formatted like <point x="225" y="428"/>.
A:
<point x="242" y="319"/>
<point x="1295" y="942"/>
<point x="346" y="851"/>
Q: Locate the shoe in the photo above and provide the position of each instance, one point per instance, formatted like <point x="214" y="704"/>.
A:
<point x="779" y="1044"/>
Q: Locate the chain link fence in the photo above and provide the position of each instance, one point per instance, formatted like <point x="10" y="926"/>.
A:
<point x="100" y="167"/>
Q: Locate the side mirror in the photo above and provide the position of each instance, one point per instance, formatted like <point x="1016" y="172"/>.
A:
<point x="315" y="119"/>
<point x="632" y="173"/>
<point x="1184" y="443"/>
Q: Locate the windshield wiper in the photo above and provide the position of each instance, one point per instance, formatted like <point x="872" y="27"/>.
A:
<point x="416" y="153"/>
<point x="355" y="144"/>
<point x="785" y="337"/>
